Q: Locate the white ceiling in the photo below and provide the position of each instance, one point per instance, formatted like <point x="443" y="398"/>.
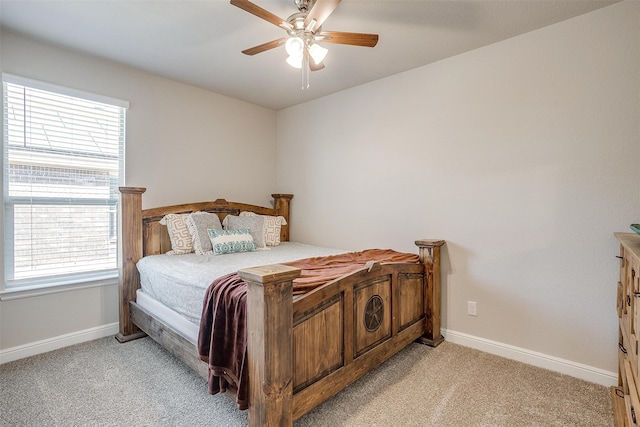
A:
<point x="200" y="42"/>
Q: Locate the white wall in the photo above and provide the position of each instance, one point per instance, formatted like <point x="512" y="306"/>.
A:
<point x="183" y="144"/>
<point x="523" y="155"/>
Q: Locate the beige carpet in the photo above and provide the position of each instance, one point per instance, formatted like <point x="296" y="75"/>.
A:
<point x="104" y="383"/>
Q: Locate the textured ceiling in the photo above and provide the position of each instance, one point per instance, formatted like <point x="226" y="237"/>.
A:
<point x="200" y="42"/>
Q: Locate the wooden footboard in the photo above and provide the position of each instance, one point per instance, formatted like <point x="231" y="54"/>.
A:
<point x="300" y="351"/>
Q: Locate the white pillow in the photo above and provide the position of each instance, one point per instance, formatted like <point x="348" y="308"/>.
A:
<point x="181" y="241"/>
<point x="272" y="226"/>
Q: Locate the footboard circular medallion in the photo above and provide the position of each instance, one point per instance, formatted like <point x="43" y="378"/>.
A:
<point x="373" y="313"/>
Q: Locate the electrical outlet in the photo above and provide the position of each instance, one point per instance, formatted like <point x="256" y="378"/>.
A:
<point x="471" y="308"/>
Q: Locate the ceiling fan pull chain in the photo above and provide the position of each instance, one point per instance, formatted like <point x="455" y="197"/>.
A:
<point x="305" y="72"/>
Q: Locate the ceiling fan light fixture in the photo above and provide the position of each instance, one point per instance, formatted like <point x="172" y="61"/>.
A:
<point x="304" y="30"/>
<point x="318" y="53"/>
<point x="311" y="26"/>
<point x="295" y="61"/>
<point x="294" y="46"/>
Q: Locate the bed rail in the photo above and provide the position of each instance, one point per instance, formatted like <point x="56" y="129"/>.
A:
<point x="142" y="235"/>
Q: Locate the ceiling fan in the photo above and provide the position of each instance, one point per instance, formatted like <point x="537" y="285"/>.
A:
<point x="304" y="32"/>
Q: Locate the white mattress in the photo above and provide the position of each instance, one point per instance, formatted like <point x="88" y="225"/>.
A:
<point x="180" y="324"/>
<point x="179" y="282"/>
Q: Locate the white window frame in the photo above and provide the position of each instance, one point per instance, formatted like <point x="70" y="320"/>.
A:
<point x="44" y="285"/>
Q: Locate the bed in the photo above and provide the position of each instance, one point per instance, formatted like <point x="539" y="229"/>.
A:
<point x="303" y="350"/>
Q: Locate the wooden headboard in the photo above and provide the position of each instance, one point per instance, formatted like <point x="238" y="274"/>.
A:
<point x="142" y="234"/>
<point x="155" y="239"/>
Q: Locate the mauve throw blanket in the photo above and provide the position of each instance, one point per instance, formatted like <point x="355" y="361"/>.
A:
<point x="222" y="341"/>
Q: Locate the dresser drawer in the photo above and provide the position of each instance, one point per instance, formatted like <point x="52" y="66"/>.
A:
<point x="632" y="401"/>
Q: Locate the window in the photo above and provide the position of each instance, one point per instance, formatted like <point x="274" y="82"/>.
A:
<point x="62" y="165"/>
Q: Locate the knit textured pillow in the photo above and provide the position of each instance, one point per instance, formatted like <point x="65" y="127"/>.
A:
<point x="254" y="223"/>
<point x="198" y="223"/>
<point x="272" y="226"/>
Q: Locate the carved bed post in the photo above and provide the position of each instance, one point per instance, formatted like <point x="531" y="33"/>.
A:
<point x="270" y="343"/>
<point x="429" y="252"/>
<point x="130" y="244"/>
<point x="281" y="203"/>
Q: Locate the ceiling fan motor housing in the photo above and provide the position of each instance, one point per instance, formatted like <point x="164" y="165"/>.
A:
<point x="297" y="20"/>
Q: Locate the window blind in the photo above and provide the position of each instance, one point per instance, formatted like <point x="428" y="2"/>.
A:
<point x="62" y="166"/>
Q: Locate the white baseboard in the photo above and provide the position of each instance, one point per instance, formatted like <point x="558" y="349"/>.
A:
<point x="563" y="366"/>
<point x="55" y="343"/>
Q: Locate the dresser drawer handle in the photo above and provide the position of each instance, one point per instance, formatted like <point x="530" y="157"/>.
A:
<point x="619" y="257"/>
<point x="622" y="349"/>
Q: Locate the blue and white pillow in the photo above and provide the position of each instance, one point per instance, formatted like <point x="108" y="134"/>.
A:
<point x="231" y="241"/>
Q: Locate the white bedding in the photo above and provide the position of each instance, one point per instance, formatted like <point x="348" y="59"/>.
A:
<point x="179" y="282"/>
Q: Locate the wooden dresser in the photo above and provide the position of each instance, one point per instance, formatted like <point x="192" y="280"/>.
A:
<point x="625" y="397"/>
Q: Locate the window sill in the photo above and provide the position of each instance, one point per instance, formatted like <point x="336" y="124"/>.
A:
<point x="29" y="291"/>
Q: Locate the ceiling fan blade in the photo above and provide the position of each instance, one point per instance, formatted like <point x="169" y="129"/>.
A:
<point x="355" y="39"/>
<point x="264" y="46"/>
<point x="320" y="12"/>
<point x="256" y="10"/>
